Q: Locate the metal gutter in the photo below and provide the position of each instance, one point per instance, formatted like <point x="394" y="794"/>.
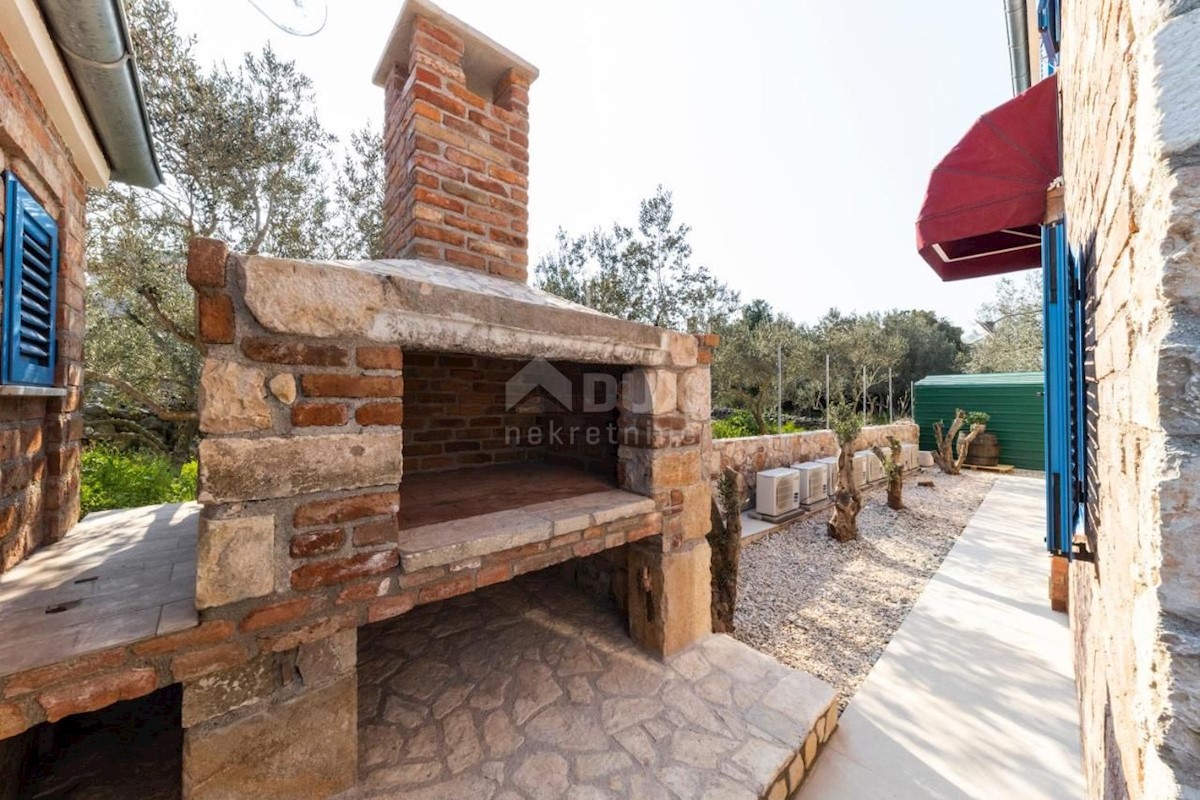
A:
<point x="93" y="38"/>
<point x="1017" y="21"/>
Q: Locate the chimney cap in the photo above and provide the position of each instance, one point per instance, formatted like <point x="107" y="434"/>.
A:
<point x="484" y="59"/>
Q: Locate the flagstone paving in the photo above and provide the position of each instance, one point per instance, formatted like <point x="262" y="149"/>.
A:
<point x="534" y="690"/>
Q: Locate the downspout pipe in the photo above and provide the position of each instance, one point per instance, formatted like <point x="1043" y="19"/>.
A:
<point x="93" y="38"/>
<point x="1017" y="21"/>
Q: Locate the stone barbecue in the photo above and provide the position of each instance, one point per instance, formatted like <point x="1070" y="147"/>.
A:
<point x="382" y="439"/>
<point x="379" y="435"/>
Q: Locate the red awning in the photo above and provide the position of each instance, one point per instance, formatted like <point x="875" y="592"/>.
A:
<point x="987" y="198"/>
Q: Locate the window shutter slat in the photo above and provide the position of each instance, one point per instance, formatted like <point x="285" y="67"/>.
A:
<point x="29" y="340"/>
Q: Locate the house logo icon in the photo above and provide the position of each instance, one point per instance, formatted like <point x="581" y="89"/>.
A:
<point x="537" y="374"/>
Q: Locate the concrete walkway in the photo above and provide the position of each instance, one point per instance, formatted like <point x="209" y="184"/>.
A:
<point x="974" y="696"/>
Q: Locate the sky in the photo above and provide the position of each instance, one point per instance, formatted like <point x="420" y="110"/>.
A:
<point x="797" y="136"/>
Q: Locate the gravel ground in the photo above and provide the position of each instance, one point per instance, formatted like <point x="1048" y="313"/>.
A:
<point x="830" y="609"/>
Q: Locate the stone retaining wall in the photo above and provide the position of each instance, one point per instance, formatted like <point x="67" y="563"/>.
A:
<point x="750" y="455"/>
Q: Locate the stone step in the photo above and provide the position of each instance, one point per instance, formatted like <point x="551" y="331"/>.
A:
<point x="457" y="540"/>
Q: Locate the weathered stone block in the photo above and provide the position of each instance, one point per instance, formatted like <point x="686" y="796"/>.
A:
<point x="232" y="398"/>
<point x="327" y="659"/>
<point x="694" y="393"/>
<point x="697" y="510"/>
<point x="304" y="748"/>
<point x="648" y="391"/>
<point x="221" y="692"/>
<point x="645" y="471"/>
<point x="670" y="595"/>
<point x="255" y="469"/>
<point x="235" y="559"/>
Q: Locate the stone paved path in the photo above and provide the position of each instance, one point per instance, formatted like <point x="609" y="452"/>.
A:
<point x="533" y="690"/>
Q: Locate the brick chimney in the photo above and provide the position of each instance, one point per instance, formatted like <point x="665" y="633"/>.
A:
<point x="456" y="145"/>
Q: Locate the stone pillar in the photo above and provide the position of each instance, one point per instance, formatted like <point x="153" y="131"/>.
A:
<point x="664" y="417"/>
<point x="283" y="725"/>
<point x="299" y="475"/>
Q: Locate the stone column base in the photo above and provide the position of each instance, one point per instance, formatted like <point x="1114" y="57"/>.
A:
<point x="670" y="595"/>
<point x="1060" y="571"/>
<point x="300" y="742"/>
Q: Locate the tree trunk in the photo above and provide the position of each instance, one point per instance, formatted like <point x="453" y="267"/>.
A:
<point x="760" y="419"/>
<point x="847" y="502"/>
<point x="725" y="539"/>
<point x="895" y="492"/>
<point x="894" y="469"/>
<point x="944" y="455"/>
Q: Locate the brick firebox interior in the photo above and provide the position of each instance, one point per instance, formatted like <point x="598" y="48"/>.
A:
<point x="480" y="436"/>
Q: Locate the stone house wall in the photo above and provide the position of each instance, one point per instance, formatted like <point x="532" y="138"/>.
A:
<point x="1131" y="137"/>
<point x="40" y="436"/>
<point x="750" y="455"/>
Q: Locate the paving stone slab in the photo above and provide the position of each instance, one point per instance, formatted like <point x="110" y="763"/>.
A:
<point x="550" y="698"/>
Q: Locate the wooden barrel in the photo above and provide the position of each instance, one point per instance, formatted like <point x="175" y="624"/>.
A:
<point x="985" y="450"/>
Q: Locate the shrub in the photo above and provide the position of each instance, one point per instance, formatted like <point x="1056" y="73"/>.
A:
<point x="127" y="479"/>
<point x="977" y="418"/>
<point x="741" y="423"/>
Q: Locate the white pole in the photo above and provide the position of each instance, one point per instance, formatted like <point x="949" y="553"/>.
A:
<point x="912" y="400"/>
<point x="828" y="399"/>
<point x="891" y="418"/>
<point x="864" y="396"/>
<point x="779" y="387"/>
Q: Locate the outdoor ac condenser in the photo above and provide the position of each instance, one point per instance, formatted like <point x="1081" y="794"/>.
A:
<point x="908" y="452"/>
<point x="814" y="481"/>
<point x="862" y="469"/>
<point x="830" y="463"/>
<point x="874" y="467"/>
<point x="777" y="492"/>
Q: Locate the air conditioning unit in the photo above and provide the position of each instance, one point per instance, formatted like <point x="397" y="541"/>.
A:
<point x="862" y="469"/>
<point x="909" y="452"/>
<point x="830" y="463"/>
<point x="814" y="482"/>
<point x="777" y="492"/>
<point x="874" y="466"/>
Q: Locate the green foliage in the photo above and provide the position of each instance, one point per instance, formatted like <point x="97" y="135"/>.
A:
<point x="127" y="479"/>
<point x="245" y="159"/>
<point x="846" y="422"/>
<point x="643" y="273"/>
<point x="1013" y="323"/>
<point x="977" y="418"/>
<point x="745" y="369"/>
<point x="742" y="423"/>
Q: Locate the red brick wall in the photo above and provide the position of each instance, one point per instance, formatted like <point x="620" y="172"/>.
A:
<point x="456" y="416"/>
<point x="40" y="437"/>
<point x="456" y="163"/>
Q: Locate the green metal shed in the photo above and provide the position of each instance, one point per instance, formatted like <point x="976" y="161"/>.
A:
<point x="1014" y="400"/>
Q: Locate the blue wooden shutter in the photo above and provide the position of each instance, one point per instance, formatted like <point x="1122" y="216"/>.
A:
<point x="1059" y="323"/>
<point x="30" y="289"/>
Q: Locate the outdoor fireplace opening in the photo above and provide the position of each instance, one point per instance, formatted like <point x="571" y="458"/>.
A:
<point x="484" y="434"/>
<point x="133" y="748"/>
